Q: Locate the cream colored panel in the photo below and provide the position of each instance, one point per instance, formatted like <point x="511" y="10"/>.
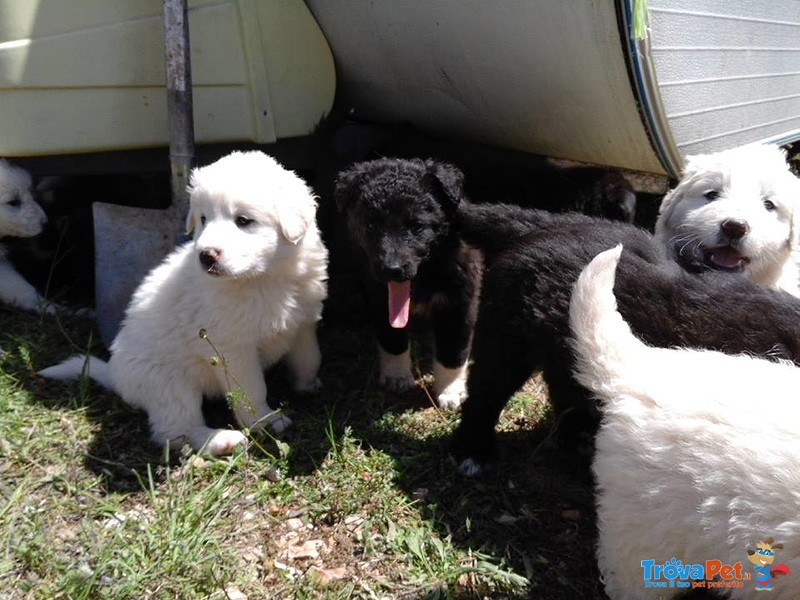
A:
<point x="542" y="76"/>
<point x="87" y="120"/>
<point x="95" y="77"/>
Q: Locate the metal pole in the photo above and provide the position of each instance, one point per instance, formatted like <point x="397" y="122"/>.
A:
<point x="179" y="104"/>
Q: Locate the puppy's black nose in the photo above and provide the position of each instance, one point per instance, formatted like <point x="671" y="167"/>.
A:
<point x="393" y="273"/>
<point x="209" y="257"/>
<point x="734" y="229"/>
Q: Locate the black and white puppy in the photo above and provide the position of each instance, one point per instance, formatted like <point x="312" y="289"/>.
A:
<point x="398" y="215"/>
<point x="533" y="259"/>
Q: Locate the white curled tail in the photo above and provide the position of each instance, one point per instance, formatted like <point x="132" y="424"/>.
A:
<point x="603" y="342"/>
<point x="74" y="367"/>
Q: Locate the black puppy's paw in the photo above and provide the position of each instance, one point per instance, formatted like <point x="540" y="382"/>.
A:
<point x="473" y="454"/>
<point x="473" y="467"/>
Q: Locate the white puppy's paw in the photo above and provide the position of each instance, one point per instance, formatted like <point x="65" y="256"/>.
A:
<point x="451" y="399"/>
<point x="47" y="308"/>
<point x="308" y="387"/>
<point x="450" y="386"/>
<point x="275" y="420"/>
<point x="278" y="422"/>
<point x="395" y="371"/>
<point x="224" y="441"/>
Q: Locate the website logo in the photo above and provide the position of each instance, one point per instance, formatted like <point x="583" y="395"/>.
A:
<point x="715" y="574"/>
<point x="763" y="558"/>
<point x="709" y="574"/>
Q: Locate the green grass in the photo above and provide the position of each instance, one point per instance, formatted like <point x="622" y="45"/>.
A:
<point x="360" y="500"/>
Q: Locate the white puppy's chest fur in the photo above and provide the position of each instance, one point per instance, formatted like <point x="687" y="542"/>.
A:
<point x="260" y="321"/>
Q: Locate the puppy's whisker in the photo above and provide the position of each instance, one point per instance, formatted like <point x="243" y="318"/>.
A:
<point x="688" y="243"/>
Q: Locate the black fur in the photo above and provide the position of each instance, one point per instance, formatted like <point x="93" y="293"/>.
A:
<point x="533" y="259"/>
<point x="398" y="215"/>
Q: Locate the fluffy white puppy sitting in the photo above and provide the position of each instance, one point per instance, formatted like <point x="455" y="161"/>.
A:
<point x="20" y="216"/>
<point x="697" y="454"/>
<point x="736" y="210"/>
<point x="254" y="278"/>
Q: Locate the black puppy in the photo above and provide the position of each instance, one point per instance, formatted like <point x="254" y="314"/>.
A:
<point x="533" y="258"/>
<point x="398" y="215"/>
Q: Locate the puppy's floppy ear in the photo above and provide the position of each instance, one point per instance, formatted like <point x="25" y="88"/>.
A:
<point x="191" y="217"/>
<point x="191" y="221"/>
<point x="347" y="184"/>
<point x="445" y="181"/>
<point x="295" y="220"/>
<point x="693" y="165"/>
<point x="668" y="204"/>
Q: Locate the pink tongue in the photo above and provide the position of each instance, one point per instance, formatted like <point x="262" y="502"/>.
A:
<point x="399" y="300"/>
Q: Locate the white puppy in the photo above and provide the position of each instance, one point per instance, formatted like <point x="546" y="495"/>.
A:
<point x="254" y="278"/>
<point x="697" y="455"/>
<point x="20" y="216"/>
<point x="736" y="210"/>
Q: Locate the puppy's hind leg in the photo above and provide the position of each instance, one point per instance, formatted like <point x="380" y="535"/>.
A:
<point x="304" y="359"/>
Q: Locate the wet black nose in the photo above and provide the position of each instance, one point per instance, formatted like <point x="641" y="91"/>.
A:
<point x="393" y="272"/>
<point x="209" y="257"/>
<point x="734" y="229"/>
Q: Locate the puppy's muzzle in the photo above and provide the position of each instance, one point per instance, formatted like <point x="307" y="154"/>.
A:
<point x="209" y="259"/>
<point x="727" y="256"/>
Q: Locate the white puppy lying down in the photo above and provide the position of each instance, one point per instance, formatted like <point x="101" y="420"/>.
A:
<point x="20" y="216"/>
<point x="254" y="278"/>
<point x="736" y="210"/>
<point x="698" y="453"/>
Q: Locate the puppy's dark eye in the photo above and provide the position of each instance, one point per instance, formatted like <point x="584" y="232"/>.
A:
<point x="415" y="228"/>
<point x="711" y="195"/>
<point x="769" y="205"/>
<point x="202" y="220"/>
<point x="243" y="222"/>
<point x="16" y="203"/>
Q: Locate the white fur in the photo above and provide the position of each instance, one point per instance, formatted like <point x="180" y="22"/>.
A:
<point x="259" y="302"/>
<point x="450" y="385"/>
<point x="698" y="452"/>
<point x="743" y="179"/>
<point x="20" y="216"/>
<point x="395" y="371"/>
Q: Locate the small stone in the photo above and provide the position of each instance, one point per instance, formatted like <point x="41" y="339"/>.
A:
<point x="307" y="549"/>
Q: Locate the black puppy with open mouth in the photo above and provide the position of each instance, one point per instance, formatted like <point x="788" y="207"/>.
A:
<point x="398" y="215"/>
